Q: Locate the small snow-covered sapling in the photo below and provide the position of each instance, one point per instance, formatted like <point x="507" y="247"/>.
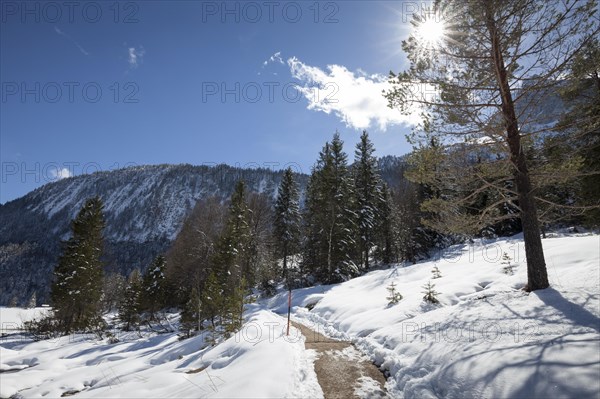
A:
<point x="508" y="266"/>
<point x="430" y="293"/>
<point x="394" y="296"/>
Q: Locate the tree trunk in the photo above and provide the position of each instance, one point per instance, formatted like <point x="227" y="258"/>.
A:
<point x="366" y="252"/>
<point x="286" y="273"/>
<point x="537" y="276"/>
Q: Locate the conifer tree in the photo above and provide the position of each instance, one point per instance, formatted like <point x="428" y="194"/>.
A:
<point x="331" y="222"/>
<point x="232" y="258"/>
<point x="581" y="126"/>
<point x="130" y="306"/>
<point x="430" y="293"/>
<point x="369" y="197"/>
<point x="313" y="217"/>
<point x="235" y="307"/>
<point x="154" y="287"/>
<point x="191" y="314"/>
<point x="386" y="235"/>
<point x="287" y="220"/>
<point x="212" y="299"/>
<point x="484" y="78"/>
<point x="77" y="287"/>
<point x="393" y="295"/>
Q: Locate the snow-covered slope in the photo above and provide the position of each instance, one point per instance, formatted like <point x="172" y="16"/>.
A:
<point x="258" y="362"/>
<point x="486" y="338"/>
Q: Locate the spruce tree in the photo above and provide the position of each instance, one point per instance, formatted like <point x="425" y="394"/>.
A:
<point x="77" y="288"/>
<point x="232" y="258"/>
<point x="313" y="217"/>
<point x="387" y="237"/>
<point x="369" y="197"/>
<point x="154" y="287"/>
<point x="130" y="306"/>
<point x="330" y="249"/>
<point x="287" y="220"/>
<point x="191" y="314"/>
<point x="212" y="299"/>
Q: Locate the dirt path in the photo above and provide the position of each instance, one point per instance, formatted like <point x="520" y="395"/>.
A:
<point x="342" y="371"/>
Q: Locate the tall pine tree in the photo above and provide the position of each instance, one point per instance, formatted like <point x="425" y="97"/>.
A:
<point x="369" y="197"/>
<point x="287" y="220"/>
<point x="77" y="287"/>
<point x="485" y="76"/>
<point x="232" y="258"/>
<point x="330" y="218"/>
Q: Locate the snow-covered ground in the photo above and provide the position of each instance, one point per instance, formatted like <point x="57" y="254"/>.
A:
<point x="259" y="361"/>
<point x="486" y="338"/>
<point x="12" y="319"/>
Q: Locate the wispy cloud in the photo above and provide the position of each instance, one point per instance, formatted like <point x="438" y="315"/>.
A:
<point x="274" y="58"/>
<point x="136" y="56"/>
<point x="59" y="174"/>
<point x="65" y="35"/>
<point x="356" y="98"/>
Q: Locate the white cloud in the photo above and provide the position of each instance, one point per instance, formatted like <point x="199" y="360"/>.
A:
<point x="59" y="174"/>
<point x="136" y="56"/>
<point x="356" y="98"/>
<point x="274" y="58"/>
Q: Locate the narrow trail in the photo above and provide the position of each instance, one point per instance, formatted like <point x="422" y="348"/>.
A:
<point x="342" y="371"/>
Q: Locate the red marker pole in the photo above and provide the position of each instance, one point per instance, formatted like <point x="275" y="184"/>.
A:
<point x="289" y="310"/>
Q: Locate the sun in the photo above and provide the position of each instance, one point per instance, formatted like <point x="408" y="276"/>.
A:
<point x="430" y="31"/>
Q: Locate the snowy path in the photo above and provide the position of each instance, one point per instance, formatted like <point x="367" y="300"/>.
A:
<point x="341" y="370"/>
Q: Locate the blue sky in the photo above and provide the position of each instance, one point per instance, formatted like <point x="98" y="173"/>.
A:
<point x="100" y="85"/>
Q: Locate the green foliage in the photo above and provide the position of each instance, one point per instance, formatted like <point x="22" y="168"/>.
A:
<point x="155" y="290"/>
<point x="483" y="90"/>
<point x="436" y="272"/>
<point x="77" y="288"/>
<point x="212" y="298"/>
<point x="430" y="293"/>
<point x="582" y="125"/>
<point x="330" y="250"/>
<point x="287" y="220"/>
<point x="191" y="314"/>
<point x="370" y="200"/>
<point x="232" y="258"/>
<point x="130" y="306"/>
<point x="235" y="308"/>
<point x="393" y="296"/>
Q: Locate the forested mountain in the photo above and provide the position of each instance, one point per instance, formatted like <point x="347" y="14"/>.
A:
<point x="144" y="208"/>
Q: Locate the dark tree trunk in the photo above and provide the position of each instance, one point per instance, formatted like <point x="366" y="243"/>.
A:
<point x="537" y="276"/>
